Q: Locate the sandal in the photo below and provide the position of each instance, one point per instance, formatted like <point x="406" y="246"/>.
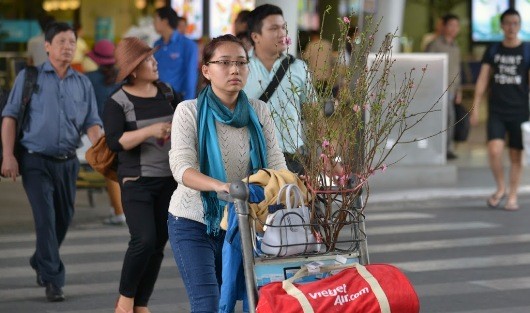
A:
<point x="494" y="201"/>
<point x="511" y="206"/>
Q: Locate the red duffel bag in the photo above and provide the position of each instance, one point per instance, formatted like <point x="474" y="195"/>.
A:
<point x="375" y="288"/>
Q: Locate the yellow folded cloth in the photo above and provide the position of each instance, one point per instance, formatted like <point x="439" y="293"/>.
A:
<point x="271" y="181"/>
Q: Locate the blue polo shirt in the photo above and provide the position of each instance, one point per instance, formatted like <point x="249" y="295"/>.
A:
<point x="59" y="112"/>
<point x="285" y="102"/>
<point x="102" y="90"/>
<point x="178" y="64"/>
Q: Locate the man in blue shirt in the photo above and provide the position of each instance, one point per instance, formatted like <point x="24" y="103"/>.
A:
<point x="62" y="108"/>
<point x="177" y="56"/>
<point x="268" y="33"/>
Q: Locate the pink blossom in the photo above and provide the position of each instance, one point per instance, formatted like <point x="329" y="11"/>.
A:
<point x="323" y="156"/>
<point x="383" y="168"/>
<point x="325" y="144"/>
<point x="356" y="108"/>
<point x="343" y="179"/>
<point x="346" y="20"/>
<point x="287" y="40"/>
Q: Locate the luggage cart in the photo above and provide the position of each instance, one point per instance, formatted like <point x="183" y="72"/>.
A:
<point x="349" y="246"/>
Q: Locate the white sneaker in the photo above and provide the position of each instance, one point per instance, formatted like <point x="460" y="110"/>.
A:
<point x="115" y="220"/>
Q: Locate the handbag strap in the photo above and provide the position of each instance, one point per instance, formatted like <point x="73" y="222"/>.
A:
<point x="278" y="76"/>
<point x="291" y="290"/>
<point x="288" y="190"/>
<point x="379" y="293"/>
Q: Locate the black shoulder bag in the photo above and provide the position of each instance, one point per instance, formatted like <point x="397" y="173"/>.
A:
<point x="278" y="76"/>
<point x="30" y="85"/>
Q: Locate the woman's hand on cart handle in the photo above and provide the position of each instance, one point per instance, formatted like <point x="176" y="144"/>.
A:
<point x="223" y="187"/>
<point x="225" y="196"/>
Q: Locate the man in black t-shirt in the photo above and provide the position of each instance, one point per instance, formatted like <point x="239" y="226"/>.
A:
<point x="505" y="70"/>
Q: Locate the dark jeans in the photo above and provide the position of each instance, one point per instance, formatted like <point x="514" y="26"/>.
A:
<point x="198" y="257"/>
<point x="50" y="187"/>
<point x="145" y="204"/>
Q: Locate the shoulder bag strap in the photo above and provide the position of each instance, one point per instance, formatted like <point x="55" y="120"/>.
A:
<point x="526" y="53"/>
<point x="30" y="84"/>
<point x="494" y="48"/>
<point x="166" y="90"/>
<point x="278" y="76"/>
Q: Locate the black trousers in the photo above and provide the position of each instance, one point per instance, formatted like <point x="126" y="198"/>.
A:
<point x="145" y="204"/>
<point x="50" y="187"/>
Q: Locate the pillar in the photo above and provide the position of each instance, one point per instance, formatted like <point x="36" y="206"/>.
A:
<point x="391" y="13"/>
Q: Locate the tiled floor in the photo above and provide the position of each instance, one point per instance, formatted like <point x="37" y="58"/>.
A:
<point x="473" y="152"/>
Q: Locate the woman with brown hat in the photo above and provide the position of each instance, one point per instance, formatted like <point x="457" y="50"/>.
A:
<point x="216" y="139"/>
<point x="137" y="120"/>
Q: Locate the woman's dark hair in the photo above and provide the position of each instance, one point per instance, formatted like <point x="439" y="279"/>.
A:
<point x="167" y="13"/>
<point x="109" y="74"/>
<point x="209" y="49"/>
<point x="242" y="16"/>
<point x="55" y="28"/>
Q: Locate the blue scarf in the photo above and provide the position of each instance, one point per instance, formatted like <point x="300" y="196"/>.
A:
<point x="211" y="109"/>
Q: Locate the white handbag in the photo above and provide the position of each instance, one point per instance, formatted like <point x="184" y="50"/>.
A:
<point x="288" y="231"/>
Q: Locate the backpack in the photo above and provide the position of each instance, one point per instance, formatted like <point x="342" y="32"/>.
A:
<point x="30" y="85"/>
<point x="105" y="161"/>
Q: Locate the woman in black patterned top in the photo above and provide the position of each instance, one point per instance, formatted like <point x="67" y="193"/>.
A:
<point x="137" y="120"/>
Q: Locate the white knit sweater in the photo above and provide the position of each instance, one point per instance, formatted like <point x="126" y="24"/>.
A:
<point x="234" y="143"/>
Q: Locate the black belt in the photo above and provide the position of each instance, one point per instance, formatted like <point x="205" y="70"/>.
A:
<point x="54" y="158"/>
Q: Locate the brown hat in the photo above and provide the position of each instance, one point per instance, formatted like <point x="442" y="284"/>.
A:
<point x="129" y="53"/>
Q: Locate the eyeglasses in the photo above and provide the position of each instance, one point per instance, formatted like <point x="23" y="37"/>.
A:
<point x="227" y="64"/>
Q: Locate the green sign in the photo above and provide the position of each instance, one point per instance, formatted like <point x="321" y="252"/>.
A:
<point x="18" y="30"/>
